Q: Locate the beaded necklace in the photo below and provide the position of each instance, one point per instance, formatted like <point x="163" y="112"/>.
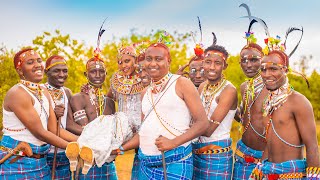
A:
<point x="254" y="87"/>
<point x="56" y="94"/>
<point x="34" y="88"/>
<point x="273" y="101"/>
<point x="96" y="97"/>
<point x="163" y="83"/>
<point x="209" y="92"/>
<point x="158" y="86"/>
<point x="126" y="84"/>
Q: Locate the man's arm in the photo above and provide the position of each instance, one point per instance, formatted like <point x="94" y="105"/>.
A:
<point x="303" y="113"/>
<point x="228" y="98"/>
<point x="21" y="104"/>
<point x="189" y="94"/>
<point x="240" y="112"/>
<point x="77" y="107"/>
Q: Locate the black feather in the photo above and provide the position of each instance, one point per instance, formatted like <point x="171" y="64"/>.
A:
<point x="101" y="31"/>
<point x="200" y="28"/>
<point x="248" y="10"/>
<point x="251" y="23"/>
<point x="290" y="30"/>
<point x="261" y="22"/>
<point x="214" y="41"/>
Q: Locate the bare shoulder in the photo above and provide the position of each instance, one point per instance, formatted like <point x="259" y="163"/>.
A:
<point x="299" y="101"/>
<point x="201" y="87"/>
<point x="78" y="99"/>
<point x="16" y="96"/>
<point x="184" y="82"/>
<point x="68" y="91"/>
<point x="230" y="89"/>
<point x="16" y="92"/>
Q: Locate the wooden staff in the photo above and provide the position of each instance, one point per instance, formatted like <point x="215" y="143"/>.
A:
<point x="53" y="171"/>
<point x="164" y="166"/>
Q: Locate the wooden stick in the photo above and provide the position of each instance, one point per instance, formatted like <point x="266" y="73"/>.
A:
<point x="164" y="166"/>
<point x="53" y="171"/>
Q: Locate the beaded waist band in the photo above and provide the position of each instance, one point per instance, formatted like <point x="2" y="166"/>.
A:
<point x="247" y="158"/>
<point x="212" y="149"/>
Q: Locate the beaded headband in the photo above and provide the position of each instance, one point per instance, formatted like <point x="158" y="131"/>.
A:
<point x="211" y="53"/>
<point x="56" y="63"/>
<point x="23" y="56"/>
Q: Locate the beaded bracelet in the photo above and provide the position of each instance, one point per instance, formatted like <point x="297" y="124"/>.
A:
<point x="215" y="122"/>
<point x="120" y="150"/>
<point x="313" y="172"/>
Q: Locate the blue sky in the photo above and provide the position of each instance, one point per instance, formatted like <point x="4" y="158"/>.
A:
<point x="22" y="20"/>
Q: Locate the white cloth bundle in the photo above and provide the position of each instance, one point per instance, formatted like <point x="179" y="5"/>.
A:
<point x="104" y="134"/>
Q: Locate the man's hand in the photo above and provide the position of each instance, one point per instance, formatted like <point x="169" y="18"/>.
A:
<point x="59" y="110"/>
<point x="165" y="144"/>
<point x="181" y="69"/>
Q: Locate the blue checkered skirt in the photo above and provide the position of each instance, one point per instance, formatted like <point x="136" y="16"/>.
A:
<point x="243" y="169"/>
<point x="25" y="167"/>
<point x="135" y="168"/>
<point x="62" y="166"/>
<point x="178" y="165"/>
<point x="292" y="166"/>
<point x="107" y="172"/>
<point x="213" y="166"/>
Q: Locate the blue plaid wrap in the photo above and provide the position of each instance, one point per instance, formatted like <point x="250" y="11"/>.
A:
<point x="243" y="169"/>
<point x="178" y="165"/>
<point x="25" y="167"/>
<point x="135" y="167"/>
<point x="213" y="166"/>
<point x="107" y="172"/>
<point x="62" y="166"/>
<point x="292" y="166"/>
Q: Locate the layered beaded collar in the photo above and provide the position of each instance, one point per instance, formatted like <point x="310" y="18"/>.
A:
<point x="126" y="84"/>
<point x="276" y="99"/>
<point x="158" y="86"/>
<point x="56" y="93"/>
<point x="34" y="88"/>
<point x="209" y="91"/>
<point x="253" y="88"/>
<point x="96" y="97"/>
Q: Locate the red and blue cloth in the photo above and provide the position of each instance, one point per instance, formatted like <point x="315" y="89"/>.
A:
<point x="213" y="166"/>
<point x="178" y="165"/>
<point x="242" y="168"/>
<point x="270" y="169"/>
<point x="106" y="172"/>
<point x="25" y="167"/>
<point x="62" y="166"/>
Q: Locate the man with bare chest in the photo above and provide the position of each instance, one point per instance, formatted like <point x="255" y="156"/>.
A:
<point x="252" y="143"/>
<point x="289" y="124"/>
<point x="88" y="105"/>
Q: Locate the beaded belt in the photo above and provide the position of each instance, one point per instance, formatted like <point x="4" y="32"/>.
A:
<point x="20" y="153"/>
<point x="286" y="176"/>
<point x="212" y="149"/>
<point x="247" y="158"/>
